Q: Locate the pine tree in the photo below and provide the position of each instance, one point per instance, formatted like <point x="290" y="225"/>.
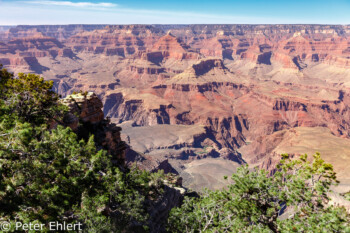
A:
<point x="255" y="202"/>
<point x="50" y="175"/>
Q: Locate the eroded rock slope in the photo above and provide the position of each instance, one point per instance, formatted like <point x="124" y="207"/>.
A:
<point x="192" y="97"/>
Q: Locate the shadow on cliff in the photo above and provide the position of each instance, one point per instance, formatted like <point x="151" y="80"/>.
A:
<point x="35" y="65"/>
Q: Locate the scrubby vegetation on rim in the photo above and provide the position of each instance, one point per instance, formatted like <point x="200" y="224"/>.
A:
<point x="52" y="175"/>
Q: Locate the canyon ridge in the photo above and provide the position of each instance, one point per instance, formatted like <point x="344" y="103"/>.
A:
<point x="201" y="100"/>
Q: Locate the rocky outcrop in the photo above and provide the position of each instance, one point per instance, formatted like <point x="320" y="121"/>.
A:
<point x="206" y="65"/>
<point x="115" y="40"/>
<point x="149" y="163"/>
<point x="159" y="212"/>
<point x="87" y="106"/>
<point x="35" y="47"/>
<point x="146" y="70"/>
<point x="171" y="47"/>
<point x="284" y="59"/>
<point x="220" y="46"/>
<point x="86" y="118"/>
<point x="25" y="52"/>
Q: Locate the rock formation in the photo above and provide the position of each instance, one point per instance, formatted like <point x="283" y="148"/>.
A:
<point x="86" y="118"/>
<point x="24" y="52"/>
<point x="186" y="94"/>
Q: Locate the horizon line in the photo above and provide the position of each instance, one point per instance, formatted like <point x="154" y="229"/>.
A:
<point x="251" y="24"/>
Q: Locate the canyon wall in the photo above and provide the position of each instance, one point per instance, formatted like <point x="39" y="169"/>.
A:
<point x="232" y="93"/>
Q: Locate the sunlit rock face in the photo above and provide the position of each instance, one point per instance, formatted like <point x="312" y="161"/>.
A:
<point x="200" y="100"/>
<point x="86" y="117"/>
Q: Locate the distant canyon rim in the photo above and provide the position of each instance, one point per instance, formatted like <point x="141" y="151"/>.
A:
<point x="201" y="100"/>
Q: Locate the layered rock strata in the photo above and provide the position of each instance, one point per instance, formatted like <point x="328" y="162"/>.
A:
<point x="240" y="90"/>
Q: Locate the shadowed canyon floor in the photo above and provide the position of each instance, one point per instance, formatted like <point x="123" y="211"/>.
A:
<point x="201" y="100"/>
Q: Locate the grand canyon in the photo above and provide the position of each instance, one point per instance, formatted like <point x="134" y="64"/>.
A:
<point x="201" y="100"/>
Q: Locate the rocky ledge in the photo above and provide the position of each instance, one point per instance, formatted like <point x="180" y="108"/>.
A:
<point x="86" y="118"/>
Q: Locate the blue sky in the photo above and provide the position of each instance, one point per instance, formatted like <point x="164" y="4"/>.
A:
<point x="14" y="12"/>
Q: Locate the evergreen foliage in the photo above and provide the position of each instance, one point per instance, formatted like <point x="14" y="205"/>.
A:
<point x="50" y="175"/>
<point x="30" y="98"/>
<point x="256" y="201"/>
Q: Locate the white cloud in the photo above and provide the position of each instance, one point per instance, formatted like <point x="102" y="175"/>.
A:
<point x="73" y="4"/>
<point x="104" y="13"/>
<point x="84" y="12"/>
